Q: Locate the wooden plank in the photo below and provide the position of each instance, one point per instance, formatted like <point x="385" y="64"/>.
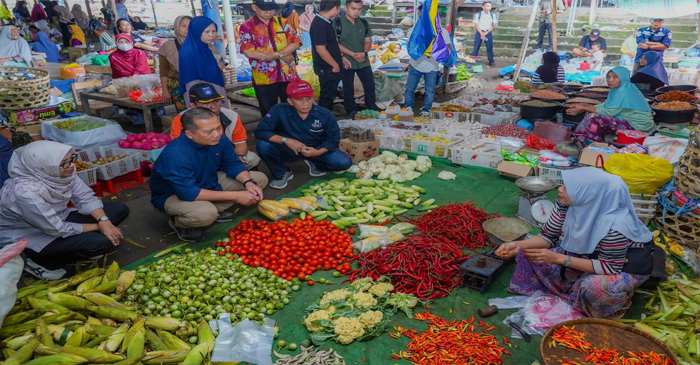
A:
<point x="242" y="99"/>
<point x="238" y="86"/>
<point x="554" y="25"/>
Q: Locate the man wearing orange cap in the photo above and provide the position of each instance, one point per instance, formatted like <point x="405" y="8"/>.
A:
<point x="298" y="129"/>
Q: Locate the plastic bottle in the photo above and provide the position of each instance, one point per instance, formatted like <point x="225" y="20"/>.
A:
<point x="382" y="115"/>
<point x="405" y="115"/>
<point x="392" y="113"/>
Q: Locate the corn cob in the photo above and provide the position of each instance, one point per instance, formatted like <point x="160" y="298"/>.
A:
<point x="164" y="357"/>
<point x="88" y="284"/>
<point x="197" y="354"/>
<point x="187" y="330"/>
<point x="164" y="323"/>
<point x="79" y="338"/>
<point x="113" y="313"/>
<point x="130" y="334"/>
<point x="110" y="322"/>
<point x="69" y="301"/>
<point x="124" y="281"/>
<point x="111" y="274"/>
<point x="29" y="290"/>
<point x="137" y="344"/>
<point x="112" y="342"/>
<point x="93" y="320"/>
<point x="79" y="278"/>
<point x="107" y="287"/>
<point x="63" y="359"/>
<point x="23" y="354"/>
<point x="16" y="342"/>
<point x="102" y="300"/>
<point x="45" y="305"/>
<point x="21" y="317"/>
<point x="58" y="288"/>
<point x="100" y="330"/>
<point x="133" y="361"/>
<point x="8" y="331"/>
<point x="205" y="334"/>
<point x="42" y="332"/>
<point x="173" y="342"/>
<point x="56" y="331"/>
<point x="92" y="355"/>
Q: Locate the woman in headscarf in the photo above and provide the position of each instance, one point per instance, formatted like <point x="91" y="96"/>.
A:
<point x="77" y="37"/>
<point x="43" y="44"/>
<point x="305" y="25"/>
<point x="550" y="72"/>
<point x="291" y="16"/>
<point x="199" y="60"/>
<point x="625" y="108"/>
<point x="33" y="205"/>
<point x="39" y="18"/>
<point x="169" y="57"/>
<point x="6" y="149"/>
<point x="106" y="40"/>
<point x="137" y="24"/>
<point x="593" y="251"/>
<point x="21" y="10"/>
<point x="653" y="74"/>
<point x="391" y="53"/>
<point x="126" y="60"/>
<point x="65" y="18"/>
<point x="81" y="19"/>
<point x="124" y="26"/>
<point x="13" y="48"/>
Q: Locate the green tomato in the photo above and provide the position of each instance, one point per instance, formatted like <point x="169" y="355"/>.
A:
<point x="292" y="347"/>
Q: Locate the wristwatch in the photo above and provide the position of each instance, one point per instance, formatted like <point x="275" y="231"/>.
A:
<point x="103" y="218"/>
<point x="248" y="181"/>
<point x="567" y="263"/>
<point x="284" y="141"/>
<point x="281" y="54"/>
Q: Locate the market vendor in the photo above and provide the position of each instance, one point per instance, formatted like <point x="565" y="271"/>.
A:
<point x="625" y="108"/>
<point x="6" y="149"/>
<point x="204" y="95"/>
<point x="169" y="57"/>
<point x="653" y="74"/>
<point x="296" y="130"/>
<point x="391" y="54"/>
<point x="77" y="37"/>
<point x="34" y="205"/>
<point x="198" y="176"/>
<point x="550" y="72"/>
<point x="124" y="26"/>
<point x="584" y="49"/>
<point x="44" y="45"/>
<point x="14" y="50"/>
<point x="127" y="61"/>
<point x="593" y="251"/>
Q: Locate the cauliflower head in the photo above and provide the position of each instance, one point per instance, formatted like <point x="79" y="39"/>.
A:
<point x="384" y="176"/>
<point x="362" y="165"/>
<point x="412" y="175"/>
<point x="354" y="169"/>
<point x="381" y="289"/>
<point x="334" y="295"/>
<point x="403" y="157"/>
<point x="371" y="318"/>
<point x="321" y="314"/>
<point x="361" y="284"/>
<point x="364" y="300"/>
<point x="348" y="329"/>
<point x="364" y="174"/>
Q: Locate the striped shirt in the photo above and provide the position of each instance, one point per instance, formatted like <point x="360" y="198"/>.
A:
<point x="611" y="250"/>
<point x="561" y="77"/>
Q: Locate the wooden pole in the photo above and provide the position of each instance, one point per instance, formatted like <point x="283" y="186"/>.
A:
<point x="155" y="17"/>
<point x="554" y="25"/>
<point x="194" y="14"/>
<point x="526" y="39"/>
<point x="591" y="16"/>
<point x="89" y="11"/>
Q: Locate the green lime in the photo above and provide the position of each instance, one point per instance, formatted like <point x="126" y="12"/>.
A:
<point x="292" y="347"/>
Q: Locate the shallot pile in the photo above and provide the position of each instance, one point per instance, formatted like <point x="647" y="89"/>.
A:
<point x="507" y="130"/>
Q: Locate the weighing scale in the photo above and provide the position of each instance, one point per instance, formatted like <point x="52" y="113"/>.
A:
<point x="534" y="207"/>
<point x="481" y="270"/>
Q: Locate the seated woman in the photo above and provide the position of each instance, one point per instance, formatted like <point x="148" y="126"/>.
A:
<point x="44" y="45"/>
<point x="137" y="24"/>
<point x="550" y="72"/>
<point x="625" y="108"/>
<point x="14" y="50"/>
<point x="653" y="74"/>
<point x="106" y="40"/>
<point x="169" y="57"/>
<point x="77" y="37"/>
<point x="593" y="251"/>
<point x="391" y="53"/>
<point x="127" y="61"/>
<point x="33" y="205"/>
<point x="124" y="26"/>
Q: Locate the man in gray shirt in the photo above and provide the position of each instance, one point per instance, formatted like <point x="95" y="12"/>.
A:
<point x="546" y="10"/>
<point x="427" y="68"/>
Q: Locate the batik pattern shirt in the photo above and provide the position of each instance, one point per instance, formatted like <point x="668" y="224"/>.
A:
<point x="271" y="37"/>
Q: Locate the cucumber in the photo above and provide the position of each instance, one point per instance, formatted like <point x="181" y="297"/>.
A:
<point x="336" y="200"/>
<point x="360" y="221"/>
<point x="427" y="207"/>
<point x="399" y="211"/>
<point x="321" y="217"/>
<point x="407" y="205"/>
<point x="338" y="224"/>
<point x="357" y="210"/>
<point x="346" y="214"/>
<point x="302" y="215"/>
<point x="370" y="207"/>
<point x="418" y="189"/>
<point x="383" y="208"/>
<point x="306" y="191"/>
<point x="366" y="216"/>
<point x="429" y="202"/>
<point x="317" y="213"/>
<point x="339" y="208"/>
<point x="334" y="215"/>
<point x="416" y="202"/>
<point x="382" y="203"/>
<point x="381" y="196"/>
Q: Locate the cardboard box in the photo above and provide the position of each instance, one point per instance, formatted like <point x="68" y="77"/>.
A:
<point x="591" y="158"/>
<point x="34" y="130"/>
<point x="39" y="114"/>
<point x="359" y="151"/>
<point x="516" y="170"/>
<point x="76" y="52"/>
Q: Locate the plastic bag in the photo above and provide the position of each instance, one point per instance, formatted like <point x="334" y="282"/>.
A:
<point x="312" y="79"/>
<point x="643" y="174"/>
<point x="11" y="266"/>
<point x="301" y="204"/>
<point x="539" y="143"/>
<point x="540" y="313"/>
<point x="96" y="132"/>
<point x="669" y="148"/>
<point x="71" y="71"/>
<point x="249" y="92"/>
<point x="374" y="242"/>
<point x="141" y="97"/>
<point x="100" y="60"/>
<point x="246" y="341"/>
<point x="367" y="230"/>
<point x="552" y="131"/>
<point x="150" y="86"/>
<point x="273" y="209"/>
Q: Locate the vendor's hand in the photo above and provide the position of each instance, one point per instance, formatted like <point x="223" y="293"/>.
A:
<point x="310" y="152"/>
<point x="543" y="256"/>
<point x="288" y="58"/>
<point x="255" y="190"/>
<point x="112" y="233"/>
<point x="5" y="59"/>
<point x="243" y="160"/>
<point x="575" y="110"/>
<point x="346" y="64"/>
<point x="246" y="197"/>
<point x="508" y="249"/>
<point x="295" y="146"/>
<point x="167" y="98"/>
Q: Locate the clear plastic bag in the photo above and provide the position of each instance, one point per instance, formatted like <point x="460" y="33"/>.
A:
<point x="246" y="341"/>
<point x="367" y="230"/>
<point x="540" y="313"/>
<point x="273" y="209"/>
<point x="301" y="204"/>
<point x="150" y="86"/>
<point x="374" y="242"/>
<point x="11" y="266"/>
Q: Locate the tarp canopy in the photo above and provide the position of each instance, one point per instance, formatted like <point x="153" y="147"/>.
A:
<point x="661" y="8"/>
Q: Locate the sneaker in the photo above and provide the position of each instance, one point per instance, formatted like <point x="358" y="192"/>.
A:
<point x="185" y="233"/>
<point x="548" y="49"/>
<point x="492" y="64"/>
<point x="425" y="114"/>
<point x="282" y="183"/>
<point x="313" y="171"/>
<point x="225" y="217"/>
<point x="41" y="272"/>
<point x="538" y="49"/>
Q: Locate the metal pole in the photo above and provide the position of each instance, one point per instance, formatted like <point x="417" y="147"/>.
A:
<point x="155" y="17"/>
<point x="591" y="17"/>
<point x="89" y="11"/>
<point x="415" y="9"/>
<point x="228" y="23"/>
<point x="393" y="14"/>
<point x="554" y="25"/>
<point x="523" y="48"/>
<point x="193" y="12"/>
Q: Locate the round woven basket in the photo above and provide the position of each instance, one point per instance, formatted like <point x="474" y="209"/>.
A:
<point x="684" y="229"/>
<point x="603" y="334"/>
<point x="23" y="88"/>
<point x="688" y="179"/>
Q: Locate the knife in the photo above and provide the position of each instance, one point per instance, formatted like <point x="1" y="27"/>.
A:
<point x="526" y="336"/>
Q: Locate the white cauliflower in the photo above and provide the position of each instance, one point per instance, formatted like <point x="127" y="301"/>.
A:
<point x="361" y="284"/>
<point x="354" y="169"/>
<point x="392" y="169"/>
<point x="403" y="157"/>
<point x="348" y="329"/>
<point x="384" y="175"/>
<point x="412" y="175"/>
<point x="391" y="159"/>
<point x="424" y="160"/>
<point x="381" y="289"/>
<point x="362" y="165"/>
<point x="376" y="169"/>
<point x="374" y="160"/>
<point x="423" y="167"/>
<point x="371" y="318"/>
<point x="407" y="166"/>
<point x="334" y="295"/>
<point x="446" y="175"/>
<point x="364" y="174"/>
<point x="388" y="153"/>
<point x="364" y="300"/>
<point x="398" y="178"/>
<point x="321" y="314"/>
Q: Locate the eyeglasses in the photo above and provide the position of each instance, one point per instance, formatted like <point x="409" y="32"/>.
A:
<point x="66" y="164"/>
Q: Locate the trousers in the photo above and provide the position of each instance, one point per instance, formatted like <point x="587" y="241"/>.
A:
<point x="544" y="27"/>
<point x="275" y="154"/>
<point x="367" y="78"/>
<point x="489" y="45"/>
<point x="329" y="87"/>
<point x="412" y="81"/>
<point x="270" y="95"/>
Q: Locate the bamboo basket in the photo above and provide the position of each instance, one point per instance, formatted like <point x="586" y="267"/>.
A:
<point x="23" y="88"/>
<point x="688" y="177"/>
<point x="684" y="229"/>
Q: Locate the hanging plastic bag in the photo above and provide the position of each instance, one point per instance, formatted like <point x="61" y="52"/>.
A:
<point x="246" y="341"/>
<point x="312" y="79"/>
<point x="643" y="174"/>
<point x="11" y="266"/>
<point x="540" y="313"/>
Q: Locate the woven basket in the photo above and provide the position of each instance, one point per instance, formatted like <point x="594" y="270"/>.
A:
<point x="684" y="229"/>
<point x="19" y="92"/>
<point x="604" y="334"/>
<point x="688" y="178"/>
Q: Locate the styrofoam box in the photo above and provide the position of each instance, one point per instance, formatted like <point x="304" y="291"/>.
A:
<point x="497" y="118"/>
<point x="88" y="176"/>
<point x="471" y="157"/>
<point x="432" y="148"/>
<point x="393" y="124"/>
<point x="114" y="169"/>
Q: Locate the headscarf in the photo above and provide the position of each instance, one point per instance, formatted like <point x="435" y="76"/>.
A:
<point x="38" y="13"/>
<point x="139" y="25"/>
<point x="77" y="34"/>
<point x="80" y="17"/>
<point x="44" y="44"/>
<point x="627" y="95"/>
<point x="655" y="66"/>
<point x="34" y="167"/>
<point x="128" y="63"/>
<point x="14" y="47"/>
<point x="63" y="11"/>
<point x="389" y="54"/>
<point x="197" y="61"/>
<point x="288" y="9"/>
<point x="550" y="68"/>
<point x="21" y="9"/>
<point x="169" y="50"/>
<point x="600" y="202"/>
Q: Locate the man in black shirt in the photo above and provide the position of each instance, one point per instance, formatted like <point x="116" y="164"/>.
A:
<point x="326" y="52"/>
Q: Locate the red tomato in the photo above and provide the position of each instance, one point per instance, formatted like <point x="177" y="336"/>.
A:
<point x="310" y="283"/>
<point x="351" y="231"/>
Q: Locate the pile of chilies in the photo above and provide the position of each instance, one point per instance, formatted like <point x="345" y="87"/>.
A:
<point x="453" y="342"/>
<point x="426" y="264"/>
<point x="576" y="340"/>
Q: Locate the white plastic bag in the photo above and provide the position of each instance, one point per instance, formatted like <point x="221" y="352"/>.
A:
<point x="667" y="148"/>
<point x="246" y="341"/>
<point x="540" y="313"/>
<point x="107" y="135"/>
<point x="11" y="266"/>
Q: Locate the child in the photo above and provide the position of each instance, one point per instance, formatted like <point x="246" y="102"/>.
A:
<point x="598" y="57"/>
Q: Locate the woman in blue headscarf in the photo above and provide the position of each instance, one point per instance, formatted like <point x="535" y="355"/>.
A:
<point x="653" y="75"/>
<point x="593" y="251"/>
<point x="44" y="44"/>
<point x="625" y="108"/>
<point x="199" y="60"/>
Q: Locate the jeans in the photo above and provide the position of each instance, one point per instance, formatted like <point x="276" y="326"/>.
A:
<point x="275" y="154"/>
<point x="367" y="78"/>
<point x="412" y="83"/>
<point x="66" y="250"/>
<point x="544" y="27"/>
<point x="489" y="45"/>
<point x="270" y="95"/>
<point x="329" y="87"/>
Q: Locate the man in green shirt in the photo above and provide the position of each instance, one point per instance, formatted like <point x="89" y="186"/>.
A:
<point x="355" y="39"/>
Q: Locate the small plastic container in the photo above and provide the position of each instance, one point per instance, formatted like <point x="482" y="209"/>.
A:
<point x="382" y="115"/>
<point x="405" y="115"/>
<point x="392" y="113"/>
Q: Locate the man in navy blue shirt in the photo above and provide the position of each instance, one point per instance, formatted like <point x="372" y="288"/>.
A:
<point x="584" y="46"/>
<point x="653" y="38"/>
<point x="297" y="130"/>
<point x="198" y="176"/>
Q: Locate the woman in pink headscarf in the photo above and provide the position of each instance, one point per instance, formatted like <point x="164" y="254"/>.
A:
<point x="126" y="60"/>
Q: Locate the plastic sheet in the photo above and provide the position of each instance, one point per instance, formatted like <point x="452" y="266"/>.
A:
<point x="246" y="341"/>
<point x="540" y="313"/>
<point x="107" y="134"/>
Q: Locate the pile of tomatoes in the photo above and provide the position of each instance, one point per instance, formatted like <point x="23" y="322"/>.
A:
<point x="290" y="249"/>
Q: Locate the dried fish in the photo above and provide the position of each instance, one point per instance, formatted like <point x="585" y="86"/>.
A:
<point x="310" y="356"/>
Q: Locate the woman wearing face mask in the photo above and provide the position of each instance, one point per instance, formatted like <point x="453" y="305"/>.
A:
<point x="33" y="205"/>
<point x="14" y="50"/>
<point x="169" y="57"/>
<point x="198" y="60"/>
<point x="126" y="60"/>
<point x="124" y="26"/>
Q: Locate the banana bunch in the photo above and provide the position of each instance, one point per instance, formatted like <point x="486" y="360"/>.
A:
<point x="273" y="210"/>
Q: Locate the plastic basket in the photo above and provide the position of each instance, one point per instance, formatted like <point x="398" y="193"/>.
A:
<point x="645" y="206"/>
<point x="412" y="126"/>
<point x="113" y="169"/>
<point x="146" y="156"/>
<point x="554" y="173"/>
<point x="97" y="189"/>
<point x="471" y="157"/>
<point x="120" y="183"/>
<point x="88" y="176"/>
<point x="431" y="148"/>
<point x="497" y="118"/>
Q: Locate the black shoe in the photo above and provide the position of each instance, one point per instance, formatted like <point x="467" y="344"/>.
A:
<point x="492" y="64"/>
<point x="187" y="234"/>
<point x="225" y="217"/>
